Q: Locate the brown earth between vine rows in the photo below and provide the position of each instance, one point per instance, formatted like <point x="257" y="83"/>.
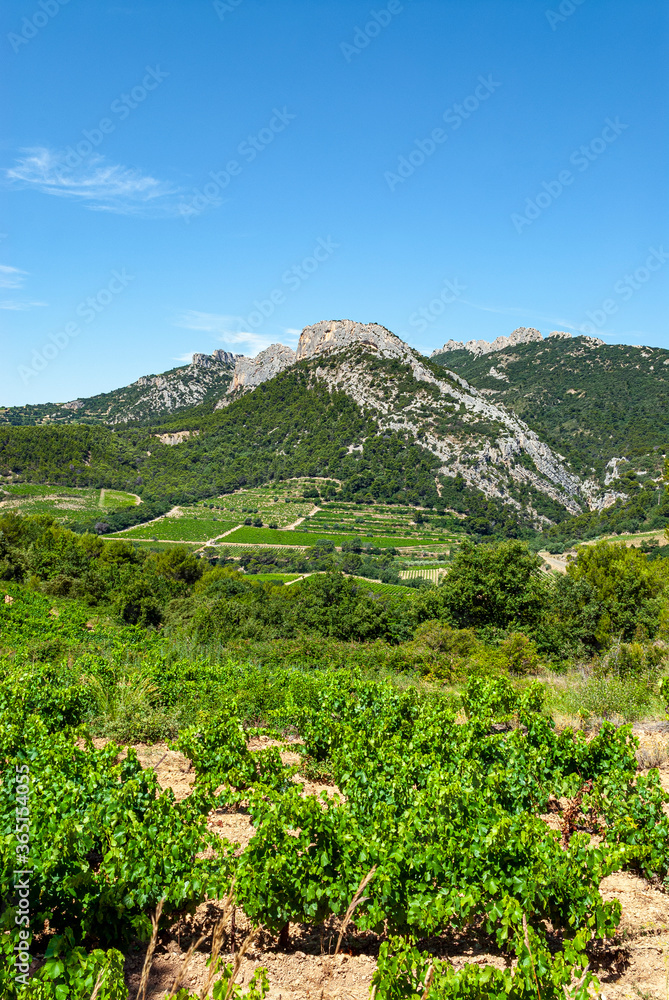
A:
<point x="633" y="965"/>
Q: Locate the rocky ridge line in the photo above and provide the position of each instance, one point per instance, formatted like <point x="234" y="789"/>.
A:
<point x="487" y="467"/>
<point x="522" y="335"/>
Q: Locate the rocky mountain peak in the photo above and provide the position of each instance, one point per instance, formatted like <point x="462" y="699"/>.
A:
<point x="321" y="338"/>
<point x="250" y="372"/>
<point x="216" y="358"/>
<point x="333" y="335"/>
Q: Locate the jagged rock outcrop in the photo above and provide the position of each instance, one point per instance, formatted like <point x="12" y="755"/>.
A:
<point x="333" y="335"/>
<point x="559" y="335"/>
<point x="215" y="359"/>
<point x="522" y="335"/>
<point x="321" y="338"/>
<point x="250" y="372"/>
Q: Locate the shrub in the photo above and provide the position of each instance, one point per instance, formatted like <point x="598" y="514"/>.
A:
<point x="499" y="586"/>
<point x="605" y="696"/>
<point x="441" y="650"/>
<point x="519" y="654"/>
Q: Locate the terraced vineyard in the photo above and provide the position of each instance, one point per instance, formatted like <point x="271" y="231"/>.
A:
<point x="184" y="525"/>
<point x="64" y="503"/>
<point x="281" y="504"/>
<point x="269" y="536"/>
<point x="432" y="573"/>
<point x="384" y="519"/>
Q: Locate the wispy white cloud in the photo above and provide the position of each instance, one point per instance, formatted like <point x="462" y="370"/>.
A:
<point x="100" y="186"/>
<point x="228" y="329"/>
<point x="556" y="322"/>
<point x="186" y="358"/>
<point x="14" y="278"/>
<point x="524" y="312"/>
<point x="11" y="277"/>
<point x="15" y="305"/>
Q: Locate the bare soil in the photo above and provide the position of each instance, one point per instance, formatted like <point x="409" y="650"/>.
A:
<point x="635" y="964"/>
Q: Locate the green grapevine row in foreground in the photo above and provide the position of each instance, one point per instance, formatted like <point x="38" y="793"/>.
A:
<point x="445" y="814"/>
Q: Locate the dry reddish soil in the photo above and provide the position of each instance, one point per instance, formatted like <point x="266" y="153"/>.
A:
<point x="633" y="965"/>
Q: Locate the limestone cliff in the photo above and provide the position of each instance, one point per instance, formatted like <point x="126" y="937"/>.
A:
<point x="522" y="335"/>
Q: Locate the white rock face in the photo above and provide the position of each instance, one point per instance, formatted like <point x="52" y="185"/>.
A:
<point x="522" y="335"/>
<point x="214" y="359"/>
<point x="250" y="372"/>
<point x="559" y="335"/>
<point x="176" y="437"/>
<point x="333" y="335"/>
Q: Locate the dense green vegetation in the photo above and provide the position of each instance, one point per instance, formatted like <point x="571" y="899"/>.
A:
<point x="439" y="811"/>
<point x="590" y="404"/>
<point x="286" y="427"/>
<point x="609" y="593"/>
<point x="647" y="510"/>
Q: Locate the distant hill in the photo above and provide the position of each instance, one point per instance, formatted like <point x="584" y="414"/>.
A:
<point x="604" y="407"/>
<point x="150" y="398"/>
<point x="527" y="434"/>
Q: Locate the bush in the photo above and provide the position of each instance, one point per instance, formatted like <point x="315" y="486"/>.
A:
<point x="605" y="696"/>
<point x="499" y="586"/>
<point x="440" y="650"/>
<point x="519" y="654"/>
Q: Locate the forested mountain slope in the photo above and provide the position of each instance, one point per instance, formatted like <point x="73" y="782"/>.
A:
<point x="151" y="397"/>
<point x="605" y="407"/>
<point x="523" y="436"/>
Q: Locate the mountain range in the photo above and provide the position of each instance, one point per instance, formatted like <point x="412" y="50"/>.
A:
<point x="523" y="429"/>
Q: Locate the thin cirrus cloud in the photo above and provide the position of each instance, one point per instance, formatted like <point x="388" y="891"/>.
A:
<point x="14" y="278"/>
<point x="227" y="329"/>
<point x="11" y="277"/>
<point x="556" y="321"/>
<point x="19" y="305"/>
<point x="99" y="185"/>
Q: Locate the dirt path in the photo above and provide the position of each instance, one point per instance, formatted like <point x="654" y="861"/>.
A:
<point x="558" y="563"/>
<point x="289" y="527"/>
<point x="145" y="523"/>
<point x="212" y="541"/>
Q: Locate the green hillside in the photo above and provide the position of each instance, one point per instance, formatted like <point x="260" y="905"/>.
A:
<point x="591" y="404"/>
<point x="285" y="428"/>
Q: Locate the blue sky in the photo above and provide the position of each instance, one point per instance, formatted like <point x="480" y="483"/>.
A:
<point x="182" y="176"/>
